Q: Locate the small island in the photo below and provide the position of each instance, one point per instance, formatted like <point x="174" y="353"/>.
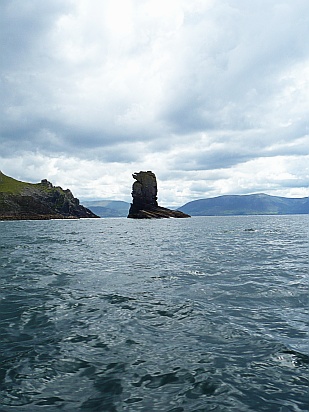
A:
<point x="38" y="201"/>
<point x="145" y="205"/>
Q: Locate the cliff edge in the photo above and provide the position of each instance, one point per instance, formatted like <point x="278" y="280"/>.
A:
<point x="38" y="201"/>
<point x="145" y="205"/>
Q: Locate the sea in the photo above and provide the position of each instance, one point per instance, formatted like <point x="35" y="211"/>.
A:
<point x="171" y="315"/>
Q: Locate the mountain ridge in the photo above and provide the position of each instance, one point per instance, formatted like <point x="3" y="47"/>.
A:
<point x="251" y="204"/>
<point x="22" y="200"/>
<point x="108" y="208"/>
<point x="224" y="205"/>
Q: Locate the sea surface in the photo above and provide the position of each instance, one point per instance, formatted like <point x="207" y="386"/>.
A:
<point x="172" y="315"/>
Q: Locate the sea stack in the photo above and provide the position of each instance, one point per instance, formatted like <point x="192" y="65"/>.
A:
<point x="145" y="205"/>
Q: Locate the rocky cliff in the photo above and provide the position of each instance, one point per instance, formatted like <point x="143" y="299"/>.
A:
<point x="145" y="205"/>
<point x="40" y="201"/>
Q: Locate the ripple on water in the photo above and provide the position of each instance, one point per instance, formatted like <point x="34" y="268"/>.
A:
<point x="117" y="315"/>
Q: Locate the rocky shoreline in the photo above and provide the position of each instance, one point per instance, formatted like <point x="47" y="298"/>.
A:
<point x="35" y="217"/>
<point x="40" y="201"/>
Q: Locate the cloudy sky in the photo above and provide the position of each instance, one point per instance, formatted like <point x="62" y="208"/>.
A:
<point x="211" y="95"/>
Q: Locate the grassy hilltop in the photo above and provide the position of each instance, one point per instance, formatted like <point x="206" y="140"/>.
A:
<point x="13" y="186"/>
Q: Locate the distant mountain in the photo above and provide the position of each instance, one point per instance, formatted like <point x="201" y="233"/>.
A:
<point x="256" y="204"/>
<point x="38" y="201"/>
<point x="108" y="208"/>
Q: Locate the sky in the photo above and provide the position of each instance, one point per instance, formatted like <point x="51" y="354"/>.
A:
<point x="211" y="95"/>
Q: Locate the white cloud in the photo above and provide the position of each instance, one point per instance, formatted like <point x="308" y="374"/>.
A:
<point x="209" y="95"/>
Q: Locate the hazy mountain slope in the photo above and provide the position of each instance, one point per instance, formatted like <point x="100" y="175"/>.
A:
<point x="108" y="208"/>
<point x="246" y="205"/>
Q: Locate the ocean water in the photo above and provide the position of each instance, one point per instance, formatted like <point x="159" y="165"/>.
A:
<point x="176" y="315"/>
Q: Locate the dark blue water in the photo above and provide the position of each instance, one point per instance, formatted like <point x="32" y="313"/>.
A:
<point x="200" y="314"/>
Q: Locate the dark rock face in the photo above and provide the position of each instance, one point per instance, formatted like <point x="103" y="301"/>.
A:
<point x="144" y="190"/>
<point x="145" y="205"/>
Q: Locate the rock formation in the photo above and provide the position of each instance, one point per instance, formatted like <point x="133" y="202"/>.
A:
<point x="39" y="201"/>
<point x="145" y="205"/>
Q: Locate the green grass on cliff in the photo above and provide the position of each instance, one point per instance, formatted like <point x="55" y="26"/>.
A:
<point x="10" y="185"/>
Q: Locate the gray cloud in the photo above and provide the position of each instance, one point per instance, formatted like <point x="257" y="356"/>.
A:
<point x="183" y="88"/>
<point x="25" y="29"/>
<point x="225" y="78"/>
